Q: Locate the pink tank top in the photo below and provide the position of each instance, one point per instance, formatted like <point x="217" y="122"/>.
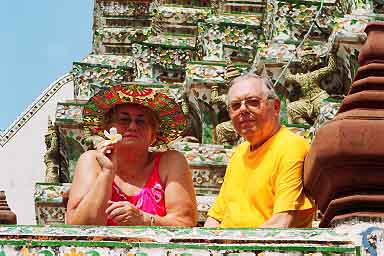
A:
<point x="150" y="199"/>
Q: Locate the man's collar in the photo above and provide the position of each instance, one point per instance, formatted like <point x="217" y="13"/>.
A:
<point x="255" y="147"/>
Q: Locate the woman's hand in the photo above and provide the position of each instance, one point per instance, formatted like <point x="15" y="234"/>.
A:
<point x="105" y="157"/>
<point x="124" y="213"/>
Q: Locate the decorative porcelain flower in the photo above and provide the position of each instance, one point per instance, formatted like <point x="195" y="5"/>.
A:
<point x="113" y="136"/>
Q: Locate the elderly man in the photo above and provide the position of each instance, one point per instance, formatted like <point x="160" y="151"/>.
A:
<point x="263" y="184"/>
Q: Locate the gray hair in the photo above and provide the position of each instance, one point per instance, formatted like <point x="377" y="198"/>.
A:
<point x="268" y="85"/>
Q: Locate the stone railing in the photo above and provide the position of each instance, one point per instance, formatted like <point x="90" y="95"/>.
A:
<point x="91" y="240"/>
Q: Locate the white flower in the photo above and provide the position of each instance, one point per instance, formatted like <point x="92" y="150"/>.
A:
<point x="113" y="136"/>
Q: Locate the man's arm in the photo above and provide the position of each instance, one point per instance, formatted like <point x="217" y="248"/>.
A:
<point x="211" y="223"/>
<point x="292" y="207"/>
<point x="290" y="219"/>
<point x="281" y="220"/>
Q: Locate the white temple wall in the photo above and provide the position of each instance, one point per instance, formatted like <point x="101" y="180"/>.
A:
<point x="21" y="156"/>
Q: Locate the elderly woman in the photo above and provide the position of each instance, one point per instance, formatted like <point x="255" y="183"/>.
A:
<point x="124" y="183"/>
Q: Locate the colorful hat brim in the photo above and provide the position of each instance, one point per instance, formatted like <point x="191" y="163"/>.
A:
<point x="172" y="119"/>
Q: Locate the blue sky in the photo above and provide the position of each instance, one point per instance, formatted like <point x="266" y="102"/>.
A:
<point x="39" y="41"/>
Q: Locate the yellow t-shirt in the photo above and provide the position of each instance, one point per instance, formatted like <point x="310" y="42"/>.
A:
<point x="260" y="183"/>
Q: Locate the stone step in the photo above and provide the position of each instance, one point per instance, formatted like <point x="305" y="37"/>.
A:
<point x="124" y="9"/>
<point x="125" y="35"/>
<point x="255" y="2"/>
<point x="189" y="3"/>
<point x="233" y="7"/>
<point x="187" y="30"/>
<point x="182" y="15"/>
<point x="142" y="21"/>
<point x="250" y="20"/>
<point x="144" y="241"/>
<point x="110" y="61"/>
<point x="98" y="71"/>
<point x="171" y="41"/>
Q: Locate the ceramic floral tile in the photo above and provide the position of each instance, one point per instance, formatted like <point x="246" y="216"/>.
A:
<point x="205" y="72"/>
<point x="50" y="193"/>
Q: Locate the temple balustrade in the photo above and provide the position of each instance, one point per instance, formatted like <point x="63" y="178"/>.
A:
<point x="53" y="240"/>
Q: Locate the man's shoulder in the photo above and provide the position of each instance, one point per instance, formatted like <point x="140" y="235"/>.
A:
<point x="238" y="152"/>
<point x="241" y="148"/>
<point x="290" y="142"/>
<point x="290" y="137"/>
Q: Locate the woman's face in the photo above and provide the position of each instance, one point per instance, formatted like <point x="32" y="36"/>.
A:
<point x="135" y="123"/>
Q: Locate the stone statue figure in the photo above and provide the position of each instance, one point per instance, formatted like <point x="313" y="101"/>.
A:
<point x="306" y="109"/>
<point x="56" y="165"/>
<point x="192" y="131"/>
<point x="51" y="158"/>
<point x="225" y="133"/>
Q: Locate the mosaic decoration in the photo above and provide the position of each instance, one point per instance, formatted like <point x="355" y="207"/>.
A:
<point x="116" y="8"/>
<point x="142" y="56"/>
<point x="351" y="25"/>
<point x="198" y="154"/>
<point x="73" y="143"/>
<point x="212" y="40"/>
<point x="180" y="41"/>
<point x="236" y="31"/>
<point x="51" y="193"/>
<point x="50" y="214"/>
<point x="368" y="232"/>
<point x="295" y="18"/>
<point x="117" y="248"/>
<point x="172" y="58"/>
<point x="110" y="61"/>
<point x="182" y="15"/>
<point x="174" y="235"/>
<point x="50" y="205"/>
<point x="69" y="112"/>
<point x="121" y="35"/>
<point x="328" y="110"/>
<point x="276" y="52"/>
<point x="208" y="179"/>
<point x="100" y="72"/>
<point x="118" y="24"/>
<point x="249" y="20"/>
<point x="205" y="73"/>
<point x="204" y="203"/>
<point x="140" y="241"/>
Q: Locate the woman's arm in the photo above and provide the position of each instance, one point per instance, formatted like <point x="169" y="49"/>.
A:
<point x="91" y="189"/>
<point x="180" y="198"/>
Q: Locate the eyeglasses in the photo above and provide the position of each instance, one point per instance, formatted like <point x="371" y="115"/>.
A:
<point x="250" y="103"/>
<point x="126" y="121"/>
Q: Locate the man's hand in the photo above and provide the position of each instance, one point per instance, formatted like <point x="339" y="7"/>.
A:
<point x="211" y="223"/>
<point x="281" y="220"/>
<point x="125" y="214"/>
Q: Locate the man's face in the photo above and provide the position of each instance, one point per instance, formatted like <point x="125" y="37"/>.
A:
<point x="253" y="115"/>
